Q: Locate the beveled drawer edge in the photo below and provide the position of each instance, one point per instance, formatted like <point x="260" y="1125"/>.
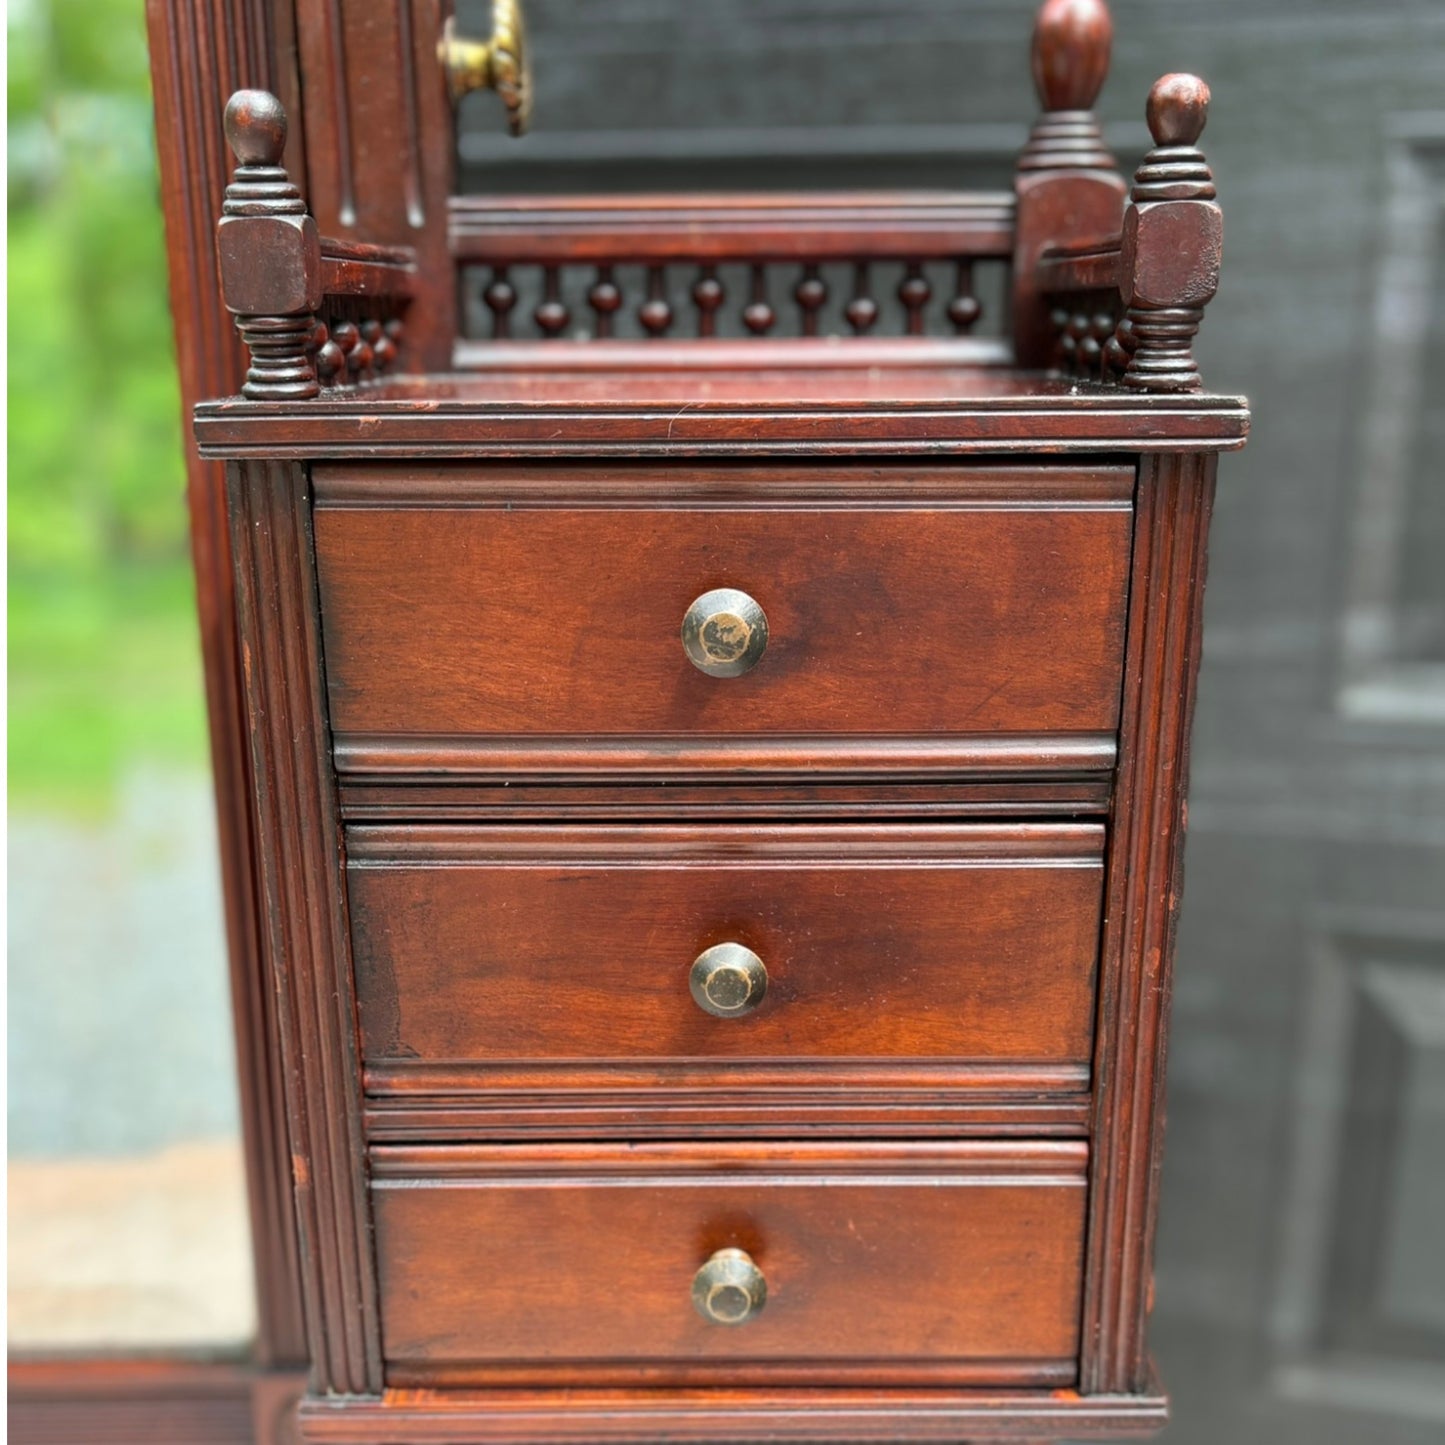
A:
<point x="789" y="1078"/>
<point x="924" y="485"/>
<point x="373" y="799"/>
<point x="643" y="757"/>
<point x="1004" y="1373"/>
<point x="620" y="845"/>
<point x="1056" y="1163"/>
<point x="726" y="1113"/>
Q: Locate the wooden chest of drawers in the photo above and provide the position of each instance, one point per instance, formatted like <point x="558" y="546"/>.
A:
<point x="720" y="825"/>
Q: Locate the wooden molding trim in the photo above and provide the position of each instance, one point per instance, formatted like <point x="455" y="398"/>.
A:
<point x="199" y="52"/>
<point x="397" y="422"/>
<point x="1144" y="876"/>
<point x="724" y="1112"/>
<point x="660" y="228"/>
<point x="823" y="1415"/>
<point x="306" y="939"/>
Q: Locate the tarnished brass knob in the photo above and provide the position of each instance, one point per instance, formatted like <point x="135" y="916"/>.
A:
<point x="729" y="1289"/>
<point x="500" y="63"/>
<point x="728" y="980"/>
<point x="724" y="633"/>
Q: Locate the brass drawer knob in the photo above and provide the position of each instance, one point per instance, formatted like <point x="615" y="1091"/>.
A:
<point x="724" y="633"/>
<point x="728" y="980"/>
<point x="729" y="1289"/>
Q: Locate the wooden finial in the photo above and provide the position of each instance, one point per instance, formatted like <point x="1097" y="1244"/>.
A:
<point x="1070" y="64"/>
<point x="1177" y="110"/>
<point x="1072" y="39"/>
<point x="1173" y="236"/>
<point x="256" y="127"/>
<point x="1068" y="186"/>
<point x="269" y="253"/>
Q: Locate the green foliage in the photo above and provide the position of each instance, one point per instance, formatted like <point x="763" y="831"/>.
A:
<point x="103" y="652"/>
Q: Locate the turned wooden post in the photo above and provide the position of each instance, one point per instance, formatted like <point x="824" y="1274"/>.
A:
<point x="1173" y="235"/>
<point x="1067" y="184"/>
<point x="269" y="254"/>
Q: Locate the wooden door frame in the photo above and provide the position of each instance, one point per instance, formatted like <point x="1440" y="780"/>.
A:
<point x="201" y="51"/>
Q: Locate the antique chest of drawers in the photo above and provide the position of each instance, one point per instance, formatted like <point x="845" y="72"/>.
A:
<point x="720" y="798"/>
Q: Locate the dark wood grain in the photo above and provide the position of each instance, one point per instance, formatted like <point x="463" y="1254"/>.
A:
<point x="1068" y="189"/>
<point x="199" y="52"/>
<point x="552" y="811"/>
<point x="1027" y="1102"/>
<point x="578" y="1417"/>
<point x="305" y="942"/>
<point x="967" y="943"/>
<point x="754" y="406"/>
<point x="600" y="1245"/>
<point x="814" y="227"/>
<point x="378" y="129"/>
<point x="499" y="616"/>
<point x="1144" y="884"/>
<point x="389" y="797"/>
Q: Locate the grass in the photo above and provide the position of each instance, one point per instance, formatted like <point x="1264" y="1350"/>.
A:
<point x="103" y="676"/>
<point x="104" y="662"/>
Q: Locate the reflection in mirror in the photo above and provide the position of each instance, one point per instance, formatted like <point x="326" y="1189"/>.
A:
<point x="127" y="1225"/>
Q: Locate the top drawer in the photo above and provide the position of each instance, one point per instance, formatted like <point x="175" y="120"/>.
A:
<point x="515" y="617"/>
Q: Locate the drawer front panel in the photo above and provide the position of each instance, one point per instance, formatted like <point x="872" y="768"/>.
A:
<point x="492" y="611"/>
<point x="953" y="1262"/>
<point x="958" y="943"/>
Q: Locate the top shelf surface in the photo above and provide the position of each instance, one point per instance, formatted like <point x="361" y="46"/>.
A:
<point x="829" y="406"/>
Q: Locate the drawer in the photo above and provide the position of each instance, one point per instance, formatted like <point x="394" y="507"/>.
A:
<point x="482" y="948"/>
<point x="947" y="1263"/>
<point x="509" y="620"/>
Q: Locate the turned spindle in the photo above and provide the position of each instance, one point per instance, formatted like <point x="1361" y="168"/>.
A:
<point x="811" y="294"/>
<point x="1067" y="183"/>
<point x="1172" y="238"/>
<point x="551" y="314"/>
<point x="758" y="314"/>
<point x="707" y="295"/>
<point x="269" y="254"/>
<point x="604" y="297"/>
<point x="862" y="310"/>
<point x="500" y="296"/>
<point x="655" y="313"/>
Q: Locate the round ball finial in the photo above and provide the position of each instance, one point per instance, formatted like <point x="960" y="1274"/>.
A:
<point x="1071" y="46"/>
<point x="1178" y="107"/>
<point x="256" y="127"/>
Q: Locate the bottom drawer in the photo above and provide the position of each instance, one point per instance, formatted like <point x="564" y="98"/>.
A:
<point x="904" y="1263"/>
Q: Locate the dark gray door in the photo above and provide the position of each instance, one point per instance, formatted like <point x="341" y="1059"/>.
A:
<point x="1301" y="1281"/>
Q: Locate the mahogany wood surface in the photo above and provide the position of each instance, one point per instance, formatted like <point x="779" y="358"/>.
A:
<point x="819" y="226"/>
<point x="945" y="807"/>
<point x="754" y="404"/>
<point x="965" y="943"/>
<point x="506" y="1263"/>
<point x="1145" y="879"/>
<point x="199" y="52"/>
<point x="306" y="942"/>
<point x="481" y="604"/>
<point x="818" y="1414"/>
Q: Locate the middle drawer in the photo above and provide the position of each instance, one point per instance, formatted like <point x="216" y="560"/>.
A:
<point x="485" y="947"/>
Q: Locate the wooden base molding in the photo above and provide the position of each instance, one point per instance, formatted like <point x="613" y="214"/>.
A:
<point x="424" y="1417"/>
